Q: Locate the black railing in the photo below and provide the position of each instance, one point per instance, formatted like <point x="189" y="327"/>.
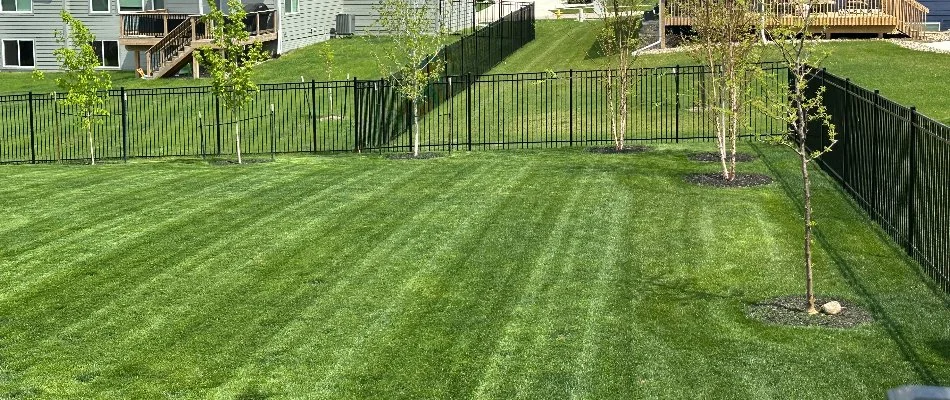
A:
<point x="476" y="53"/>
<point x="523" y="110"/>
<point x="896" y="164"/>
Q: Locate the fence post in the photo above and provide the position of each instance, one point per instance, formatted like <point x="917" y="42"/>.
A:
<point x="125" y="125"/>
<point x="313" y="112"/>
<point x="468" y="107"/>
<point x="32" y="132"/>
<point x="846" y="130"/>
<point x="201" y="134"/>
<point x="912" y="184"/>
<point x="273" y="134"/>
<point x="356" y="116"/>
<point x="570" y="108"/>
<point x="676" y="94"/>
<point x="878" y="128"/>
<point x="217" y="124"/>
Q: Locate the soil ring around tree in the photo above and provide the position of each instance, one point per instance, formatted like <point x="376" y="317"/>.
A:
<point x="613" y="150"/>
<point x="410" y="156"/>
<point x="791" y="311"/>
<point x="715" y="179"/>
<point x="224" y="161"/>
<point x="710" y="156"/>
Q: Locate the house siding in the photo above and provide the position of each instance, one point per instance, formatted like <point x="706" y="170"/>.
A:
<point x="939" y="12"/>
<point x="459" y="18"/>
<point x="311" y="24"/>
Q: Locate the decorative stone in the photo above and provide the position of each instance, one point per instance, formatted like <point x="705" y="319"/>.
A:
<point x="831" y="308"/>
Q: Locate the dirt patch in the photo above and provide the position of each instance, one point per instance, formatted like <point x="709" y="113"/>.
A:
<point x="613" y="150"/>
<point x="790" y="311"/>
<point x="410" y="156"/>
<point x="710" y="156"/>
<point x="715" y="179"/>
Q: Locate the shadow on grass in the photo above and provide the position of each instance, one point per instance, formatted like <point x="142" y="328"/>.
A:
<point x="868" y="297"/>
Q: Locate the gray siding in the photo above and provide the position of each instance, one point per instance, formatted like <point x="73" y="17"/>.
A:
<point x="458" y="14"/>
<point x="311" y="24"/>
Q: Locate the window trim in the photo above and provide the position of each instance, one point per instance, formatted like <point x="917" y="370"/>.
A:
<point x="144" y="6"/>
<point x="103" y="55"/>
<point x="108" y="10"/>
<point x="32" y="6"/>
<point x="3" y="53"/>
<point x="289" y="12"/>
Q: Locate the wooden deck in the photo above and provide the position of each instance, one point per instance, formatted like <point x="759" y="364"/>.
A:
<point x="835" y="16"/>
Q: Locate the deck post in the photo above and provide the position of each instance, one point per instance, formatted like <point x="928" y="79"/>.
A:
<point x="148" y="63"/>
<point x="195" y="68"/>
<point x="257" y="17"/>
<point x="165" y="25"/>
<point x="662" y="24"/>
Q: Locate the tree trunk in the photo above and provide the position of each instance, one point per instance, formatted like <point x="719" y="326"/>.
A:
<point x="415" y="127"/>
<point x="734" y="129"/>
<point x="622" y="115"/>
<point x="237" y="138"/>
<point x="801" y="127"/>
<point x="92" y="149"/>
<point x="806" y="181"/>
<point x="721" y="136"/>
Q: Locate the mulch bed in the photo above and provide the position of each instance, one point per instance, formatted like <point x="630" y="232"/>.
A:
<point x="710" y="156"/>
<point x="613" y="150"/>
<point x="790" y="311"/>
<point x="741" y="181"/>
<point x="222" y="161"/>
<point x="410" y="156"/>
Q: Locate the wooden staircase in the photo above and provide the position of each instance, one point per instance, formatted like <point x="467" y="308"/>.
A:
<point x="177" y="48"/>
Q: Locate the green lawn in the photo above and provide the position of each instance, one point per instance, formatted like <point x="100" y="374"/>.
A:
<point x="535" y="274"/>
<point x="354" y="58"/>
<point x="905" y="76"/>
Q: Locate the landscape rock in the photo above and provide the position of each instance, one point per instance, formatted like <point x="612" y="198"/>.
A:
<point x="831" y="308"/>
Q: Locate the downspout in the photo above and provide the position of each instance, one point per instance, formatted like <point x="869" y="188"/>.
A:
<point x="280" y="25"/>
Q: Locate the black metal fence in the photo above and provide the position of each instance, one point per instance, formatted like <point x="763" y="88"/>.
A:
<point x="467" y="112"/>
<point x="896" y="164"/>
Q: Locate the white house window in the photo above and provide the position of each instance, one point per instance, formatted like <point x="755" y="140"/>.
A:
<point x="16" y="5"/>
<point x="99" y="6"/>
<point x="18" y="53"/>
<point x="291" y="6"/>
<point x="131" y="5"/>
<point x="108" y="52"/>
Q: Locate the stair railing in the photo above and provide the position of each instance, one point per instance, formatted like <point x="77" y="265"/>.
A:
<point x="173" y="44"/>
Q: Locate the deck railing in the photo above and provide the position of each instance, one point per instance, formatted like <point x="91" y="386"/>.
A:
<point x="907" y="16"/>
<point x="159" y="24"/>
<point x="150" y="23"/>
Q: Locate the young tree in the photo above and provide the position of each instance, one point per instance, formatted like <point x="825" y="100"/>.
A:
<point x="726" y="45"/>
<point x="329" y="56"/>
<point x="230" y="61"/>
<point x="619" y="38"/>
<point x="85" y="87"/>
<point x="800" y="105"/>
<point x="418" y="33"/>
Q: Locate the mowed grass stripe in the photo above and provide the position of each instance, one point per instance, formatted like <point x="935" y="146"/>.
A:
<point x="460" y="230"/>
<point x="242" y="226"/>
<point x="501" y="365"/>
<point x="403" y="282"/>
<point x="85" y="240"/>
